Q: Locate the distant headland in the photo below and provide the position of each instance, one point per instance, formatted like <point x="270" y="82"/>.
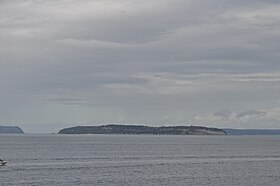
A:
<point x="11" y="130"/>
<point x="141" y="129"/>
<point x="240" y="132"/>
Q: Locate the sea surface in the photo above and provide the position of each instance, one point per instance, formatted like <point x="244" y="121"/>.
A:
<point x="139" y="160"/>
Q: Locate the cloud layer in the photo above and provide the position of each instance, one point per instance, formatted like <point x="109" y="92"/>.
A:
<point x="154" y="62"/>
<point x="262" y="118"/>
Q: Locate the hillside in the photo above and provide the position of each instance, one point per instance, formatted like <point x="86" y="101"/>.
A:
<point x="11" y="130"/>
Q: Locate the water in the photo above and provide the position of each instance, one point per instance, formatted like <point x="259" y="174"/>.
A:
<point x="139" y="160"/>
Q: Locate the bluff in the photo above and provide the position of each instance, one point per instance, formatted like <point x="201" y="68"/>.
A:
<point x="10" y="130"/>
<point x="141" y="129"/>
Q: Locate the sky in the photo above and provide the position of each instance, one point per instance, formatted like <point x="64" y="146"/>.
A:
<point x="159" y="62"/>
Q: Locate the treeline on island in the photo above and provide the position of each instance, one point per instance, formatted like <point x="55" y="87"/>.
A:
<point x="141" y="129"/>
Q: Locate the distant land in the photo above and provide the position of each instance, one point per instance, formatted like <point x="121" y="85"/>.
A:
<point x="252" y="131"/>
<point x="141" y="129"/>
<point x="11" y="130"/>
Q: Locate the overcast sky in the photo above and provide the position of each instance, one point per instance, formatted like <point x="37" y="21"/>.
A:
<point x="159" y="62"/>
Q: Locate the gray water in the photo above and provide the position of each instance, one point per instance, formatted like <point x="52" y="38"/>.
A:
<point x="139" y="160"/>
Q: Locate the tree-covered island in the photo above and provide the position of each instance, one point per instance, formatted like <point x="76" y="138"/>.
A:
<point x="141" y="129"/>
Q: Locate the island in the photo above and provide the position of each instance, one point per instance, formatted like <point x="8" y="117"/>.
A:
<point x="141" y="129"/>
<point x="11" y="130"/>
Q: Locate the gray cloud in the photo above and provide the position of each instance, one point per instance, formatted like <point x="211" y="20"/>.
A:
<point x="250" y="113"/>
<point x="137" y="62"/>
<point x="222" y="113"/>
<point x="261" y="118"/>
